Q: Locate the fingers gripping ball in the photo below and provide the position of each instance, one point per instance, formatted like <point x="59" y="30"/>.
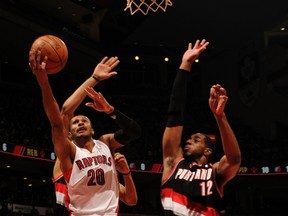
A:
<point x="56" y="51"/>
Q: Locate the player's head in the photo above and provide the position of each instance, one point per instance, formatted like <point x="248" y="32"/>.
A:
<point x="80" y="128"/>
<point x="198" y="146"/>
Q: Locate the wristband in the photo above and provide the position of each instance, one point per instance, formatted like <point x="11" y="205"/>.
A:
<point x="126" y="173"/>
<point x="95" y="78"/>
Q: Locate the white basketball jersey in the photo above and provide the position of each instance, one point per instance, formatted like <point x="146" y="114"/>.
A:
<point x="93" y="187"/>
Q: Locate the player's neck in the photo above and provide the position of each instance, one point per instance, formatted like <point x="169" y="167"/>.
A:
<point x="202" y="160"/>
<point x="85" y="142"/>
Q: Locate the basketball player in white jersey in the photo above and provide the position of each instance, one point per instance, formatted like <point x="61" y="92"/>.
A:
<point x="87" y="164"/>
<point x="127" y="193"/>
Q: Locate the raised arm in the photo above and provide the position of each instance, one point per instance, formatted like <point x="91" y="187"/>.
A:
<point x="229" y="164"/>
<point x="127" y="192"/>
<point x="59" y="135"/>
<point x="103" y="70"/>
<point x="129" y="128"/>
<point x="171" y="142"/>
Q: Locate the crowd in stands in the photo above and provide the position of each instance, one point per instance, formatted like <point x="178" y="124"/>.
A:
<point x="23" y="122"/>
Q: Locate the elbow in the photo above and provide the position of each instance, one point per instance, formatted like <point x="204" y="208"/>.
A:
<point x="236" y="160"/>
<point x="132" y="201"/>
<point x="64" y="110"/>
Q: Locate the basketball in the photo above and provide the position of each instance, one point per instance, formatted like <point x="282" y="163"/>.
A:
<point x="56" y="51"/>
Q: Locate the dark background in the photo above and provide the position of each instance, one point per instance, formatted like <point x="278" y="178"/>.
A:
<point x="247" y="55"/>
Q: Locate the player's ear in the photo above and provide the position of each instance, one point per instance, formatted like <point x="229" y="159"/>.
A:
<point x="70" y="135"/>
<point x="207" y="151"/>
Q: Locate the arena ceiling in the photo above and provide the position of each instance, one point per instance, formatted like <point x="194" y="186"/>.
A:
<point x="102" y="26"/>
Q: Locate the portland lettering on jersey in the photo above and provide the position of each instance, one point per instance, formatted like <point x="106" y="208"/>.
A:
<point x="95" y="160"/>
<point x="198" y="174"/>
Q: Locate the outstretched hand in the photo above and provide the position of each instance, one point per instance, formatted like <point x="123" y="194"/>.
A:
<point x="99" y="102"/>
<point x="103" y="70"/>
<point x="193" y="52"/>
<point x="217" y="99"/>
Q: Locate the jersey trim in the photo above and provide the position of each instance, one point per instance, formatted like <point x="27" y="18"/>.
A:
<point x="182" y="206"/>
<point x="55" y="179"/>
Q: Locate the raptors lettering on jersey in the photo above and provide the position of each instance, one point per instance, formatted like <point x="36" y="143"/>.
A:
<point x="91" y="161"/>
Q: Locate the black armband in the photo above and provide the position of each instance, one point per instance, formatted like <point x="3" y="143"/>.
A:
<point x="178" y="99"/>
<point x="129" y="131"/>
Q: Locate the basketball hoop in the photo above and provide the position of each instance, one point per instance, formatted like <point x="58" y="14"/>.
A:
<point x="145" y="5"/>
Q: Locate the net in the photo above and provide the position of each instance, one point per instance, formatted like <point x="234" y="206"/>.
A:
<point x="144" y="6"/>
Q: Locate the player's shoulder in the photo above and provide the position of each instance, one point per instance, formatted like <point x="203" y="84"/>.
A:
<point x="106" y="138"/>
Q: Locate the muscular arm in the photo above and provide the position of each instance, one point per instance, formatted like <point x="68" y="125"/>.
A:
<point x="102" y="71"/>
<point x="172" y="134"/>
<point x="127" y="193"/>
<point x="229" y="164"/>
<point x="171" y="141"/>
<point x="129" y="129"/>
<point x="59" y="135"/>
<point x="73" y="102"/>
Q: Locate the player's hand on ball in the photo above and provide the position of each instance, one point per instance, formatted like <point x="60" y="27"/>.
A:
<point x="36" y="62"/>
<point x="56" y="51"/>
<point x="38" y="66"/>
<point x="218" y="99"/>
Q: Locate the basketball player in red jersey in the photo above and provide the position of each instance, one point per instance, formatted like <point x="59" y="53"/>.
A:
<point x="60" y="206"/>
<point x="87" y="164"/>
<point x="191" y="185"/>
